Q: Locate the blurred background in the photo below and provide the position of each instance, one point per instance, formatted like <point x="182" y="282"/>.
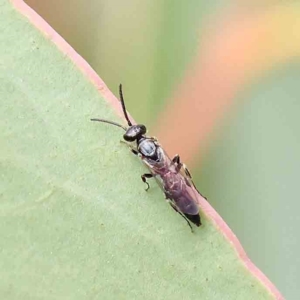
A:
<point x="218" y="82"/>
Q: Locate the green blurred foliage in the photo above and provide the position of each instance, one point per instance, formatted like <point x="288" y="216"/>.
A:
<point x="145" y="45"/>
<point x="251" y="174"/>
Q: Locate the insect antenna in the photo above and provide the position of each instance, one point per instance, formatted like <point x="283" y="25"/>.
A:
<point x="109" y="122"/>
<point x="123" y="105"/>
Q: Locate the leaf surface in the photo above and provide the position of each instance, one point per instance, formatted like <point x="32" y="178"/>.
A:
<point x="75" y="221"/>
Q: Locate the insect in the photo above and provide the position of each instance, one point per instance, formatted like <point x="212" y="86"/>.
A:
<point x="172" y="175"/>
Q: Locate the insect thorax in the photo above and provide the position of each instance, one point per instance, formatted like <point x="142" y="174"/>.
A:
<point x="148" y="148"/>
<point x="153" y="156"/>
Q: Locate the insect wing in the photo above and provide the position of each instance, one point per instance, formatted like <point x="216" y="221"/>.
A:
<point x="186" y="201"/>
<point x="181" y="191"/>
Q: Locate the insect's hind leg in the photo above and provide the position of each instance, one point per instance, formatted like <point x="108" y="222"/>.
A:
<point x="175" y="208"/>
<point x="187" y="172"/>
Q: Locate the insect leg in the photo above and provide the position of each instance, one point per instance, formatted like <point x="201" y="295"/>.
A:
<point x="176" y="159"/>
<point x="177" y="163"/>
<point x="190" y="177"/>
<point x="134" y="152"/>
<point x="175" y="208"/>
<point x="132" y="149"/>
<point x="144" y="176"/>
<point x="187" y="172"/>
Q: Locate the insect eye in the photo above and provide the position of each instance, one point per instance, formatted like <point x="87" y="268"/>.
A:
<point x="143" y="129"/>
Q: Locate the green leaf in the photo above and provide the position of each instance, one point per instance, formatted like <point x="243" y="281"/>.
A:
<point x="75" y="221"/>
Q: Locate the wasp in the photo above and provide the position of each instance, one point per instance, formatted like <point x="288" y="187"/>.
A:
<point x="172" y="175"/>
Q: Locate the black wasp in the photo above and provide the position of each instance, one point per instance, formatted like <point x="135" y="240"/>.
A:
<point x="173" y="177"/>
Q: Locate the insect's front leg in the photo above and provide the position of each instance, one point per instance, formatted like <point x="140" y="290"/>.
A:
<point x="144" y="176"/>
<point x="132" y="149"/>
<point x="135" y="152"/>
